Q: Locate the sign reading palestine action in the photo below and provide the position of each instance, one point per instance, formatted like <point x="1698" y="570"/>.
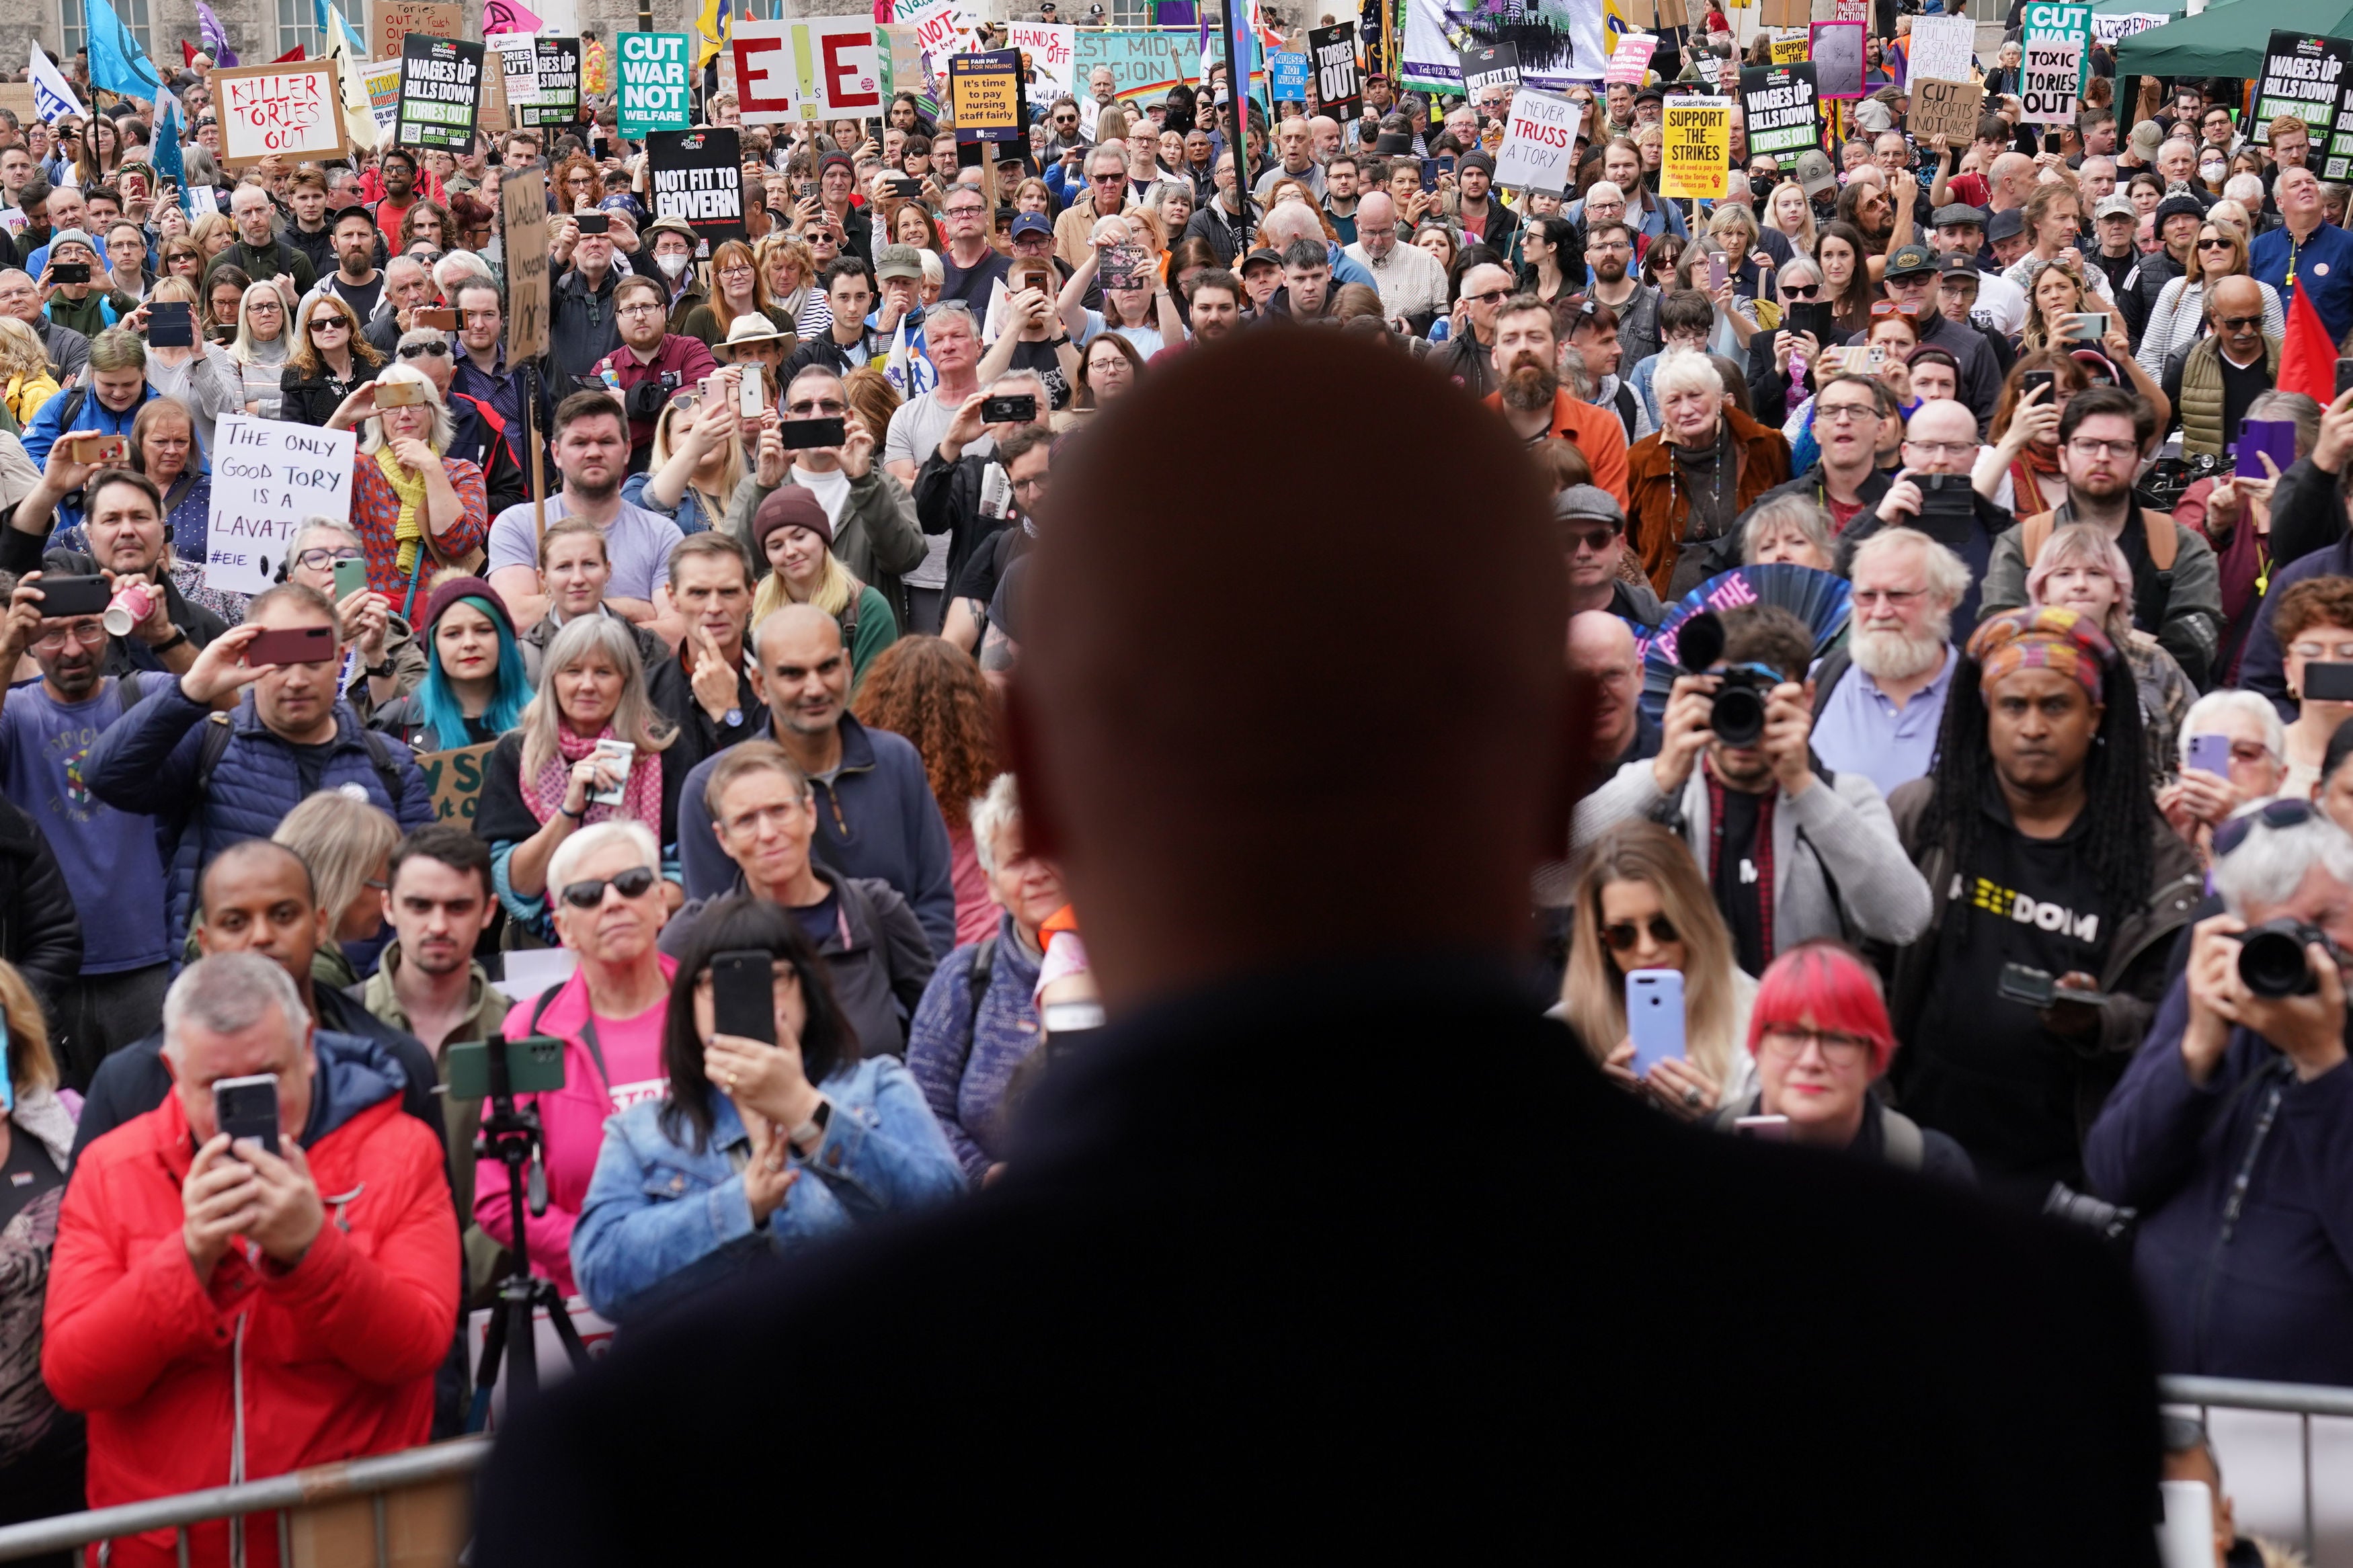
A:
<point x="1783" y="116"/>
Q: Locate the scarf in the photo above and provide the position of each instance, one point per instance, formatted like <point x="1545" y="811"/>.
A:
<point x="409" y="532"/>
<point x="641" y="796"/>
<point x="2027" y="498"/>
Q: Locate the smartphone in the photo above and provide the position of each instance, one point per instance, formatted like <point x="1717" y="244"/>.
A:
<point x="799" y="435"/>
<point x="2034" y="378"/>
<point x="1654" y="1016"/>
<point x="626" y="751"/>
<point x="70" y="272"/>
<point x="399" y="394"/>
<point x="904" y="188"/>
<point x="63" y="597"/>
<point x="2026" y="985"/>
<point x="2259" y="437"/>
<point x="2088" y="327"/>
<point x="442" y="316"/>
<point x="1070" y="1027"/>
<point x="1874" y="359"/>
<point x="2184" y="1529"/>
<point x="2329" y="682"/>
<point x="743" y="995"/>
<point x="534" y="1066"/>
<point x="752" y="398"/>
<point x="170" y="324"/>
<point x="96" y="448"/>
<point x="1772" y="1129"/>
<point x="594" y="223"/>
<point x="1016" y="410"/>
<point x="248" y="1108"/>
<point x="294" y="645"/>
<point x="2210" y="754"/>
<point x="1446" y="163"/>
<point x="1122" y="266"/>
<point x="350" y="576"/>
<point x="2052" y="140"/>
<point x="1717" y="272"/>
<point x="1430" y="174"/>
<point x="1811" y="316"/>
<point x="2344" y="376"/>
<point x="806" y="191"/>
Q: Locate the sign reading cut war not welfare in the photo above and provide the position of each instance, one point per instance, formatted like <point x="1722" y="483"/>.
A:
<point x="288" y="111"/>
<point x="653" y="69"/>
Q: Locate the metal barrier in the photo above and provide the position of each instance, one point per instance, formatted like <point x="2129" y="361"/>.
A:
<point x="2302" y="1400"/>
<point x="311" y="1494"/>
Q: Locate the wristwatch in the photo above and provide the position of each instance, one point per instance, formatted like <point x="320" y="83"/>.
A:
<point x="806" y="1135"/>
<point x="1058" y="342"/>
<point x="379" y="671"/>
<point x="179" y="635"/>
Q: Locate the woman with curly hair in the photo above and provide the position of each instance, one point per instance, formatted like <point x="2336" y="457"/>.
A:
<point x="577" y="185"/>
<point x="930" y="692"/>
<point x="429" y="221"/>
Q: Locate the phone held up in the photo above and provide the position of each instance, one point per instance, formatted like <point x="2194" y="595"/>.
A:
<point x="1018" y="408"/>
<point x="248" y="1108"/>
<point x="1654" y="1016"/>
<point x="743" y="995"/>
<point x="291" y="644"/>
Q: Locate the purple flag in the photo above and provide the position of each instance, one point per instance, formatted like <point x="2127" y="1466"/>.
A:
<point x="215" y="37"/>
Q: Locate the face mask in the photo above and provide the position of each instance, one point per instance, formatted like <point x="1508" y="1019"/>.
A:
<point x="2212" y="172"/>
<point x="671" y="263"/>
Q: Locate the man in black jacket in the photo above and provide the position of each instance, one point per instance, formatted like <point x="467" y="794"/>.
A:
<point x="581" y="326"/>
<point x="1186" y="1256"/>
<point x="124" y="521"/>
<point x="258" y="252"/>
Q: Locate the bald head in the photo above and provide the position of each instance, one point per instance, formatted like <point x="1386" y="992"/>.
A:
<point x="1213" y="827"/>
<point x="2014" y="169"/>
<point x="255" y="857"/>
<point x="1376" y="225"/>
<point x="2236" y="295"/>
<point x="1601" y="651"/>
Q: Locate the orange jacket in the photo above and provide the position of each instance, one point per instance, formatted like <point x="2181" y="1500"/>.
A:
<point x="1661" y="508"/>
<point x="261" y="1372"/>
<point x="1594" y="431"/>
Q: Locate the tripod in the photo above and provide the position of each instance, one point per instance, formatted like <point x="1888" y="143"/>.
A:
<point x="513" y="1134"/>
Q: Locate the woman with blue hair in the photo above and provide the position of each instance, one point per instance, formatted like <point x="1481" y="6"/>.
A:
<point x="475" y="686"/>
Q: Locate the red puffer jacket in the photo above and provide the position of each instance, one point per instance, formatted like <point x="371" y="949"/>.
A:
<point x="262" y="1373"/>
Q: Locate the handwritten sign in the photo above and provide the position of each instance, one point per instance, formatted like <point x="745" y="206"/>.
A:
<point x="440" y="80"/>
<point x="1287" y="70"/>
<point x="1944" y="48"/>
<point x="814" y="67"/>
<point x="2114" y="27"/>
<point x="1539" y="137"/>
<point x="1698" y="150"/>
<point x="523" y="210"/>
<point x="390" y="21"/>
<point x="2047" y="77"/>
<point x="653" y="83"/>
<point x="1948" y="109"/>
<point x="520" y="80"/>
<point x="455" y="777"/>
<point x="288" y="111"/>
<point x="268" y="477"/>
<point x="1051" y="50"/>
<point x="2057" y="21"/>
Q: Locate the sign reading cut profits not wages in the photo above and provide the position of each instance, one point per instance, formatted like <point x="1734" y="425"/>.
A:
<point x="1948" y="109"/>
<point x="1698" y="149"/>
<point x="1539" y="139"/>
<point x="289" y="111"/>
<point x="815" y="67"/>
<point x="440" y="83"/>
<point x="269" y="478"/>
<point x="653" y="69"/>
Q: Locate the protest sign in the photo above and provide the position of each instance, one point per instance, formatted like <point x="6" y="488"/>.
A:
<point x="1332" y="51"/>
<point x="455" y="777"/>
<point x="1789" y="51"/>
<point x="292" y="112"/>
<point x="2114" y="28"/>
<point x="2304" y="77"/>
<point x="2047" y="77"/>
<point x="1539" y="137"/>
<point x="815" y="68"/>
<point x="1287" y="75"/>
<point x="390" y="21"/>
<point x="985" y="94"/>
<point x="490" y="113"/>
<point x="381" y="80"/>
<point x="21" y="99"/>
<point x="1495" y="65"/>
<point x="1051" y="50"/>
<point x="2056" y="21"/>
<point x="1780" y="106"/>
<point x="1948" y="109"/>
<point x="557" y="62"/>
<point x="698" y="175"/>
<point x="1697" y="153"/>
<point x="654" y="69"/>
<point x="1944" y="48"/>
<point x="270" y="477"/>
<point x="1630" y="60"/>
<point x="942" y="29"/>
<point x="1836" y="50"/>
<point x="440" y="80"/>
<point x="519" y="78"/>
<point x="523" y="210"/>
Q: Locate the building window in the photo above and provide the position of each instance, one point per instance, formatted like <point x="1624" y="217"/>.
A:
<point x="298" y="27"/>
<point x="77" y="28"/>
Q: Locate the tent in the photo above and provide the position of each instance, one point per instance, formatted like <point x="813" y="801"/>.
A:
<point x="2227" y="40"/>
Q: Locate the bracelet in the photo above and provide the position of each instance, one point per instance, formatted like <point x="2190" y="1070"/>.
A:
<point x="579" y="815"/>
<point x="178" y="636"/>
<point x="1058" y="342"/>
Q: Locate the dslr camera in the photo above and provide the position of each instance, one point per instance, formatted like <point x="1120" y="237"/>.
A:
<point x="2272" y="962"/>
<point x="1738" y="715"/>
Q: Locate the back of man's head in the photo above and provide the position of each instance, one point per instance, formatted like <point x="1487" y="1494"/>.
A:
<point x="1213" y="827"/>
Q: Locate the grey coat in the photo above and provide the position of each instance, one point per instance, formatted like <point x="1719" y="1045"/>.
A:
<point x="877" y="538"/>
<point x="2192" y="626"/>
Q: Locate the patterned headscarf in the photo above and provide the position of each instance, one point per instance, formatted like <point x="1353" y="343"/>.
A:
<point x="2052" y="637"/>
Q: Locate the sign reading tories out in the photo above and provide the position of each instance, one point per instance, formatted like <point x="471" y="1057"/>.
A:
<point x="440" y="83"/>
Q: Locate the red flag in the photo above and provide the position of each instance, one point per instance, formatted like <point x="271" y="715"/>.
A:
<point x="189" y="50"/>
<point x="2307" y="354"/>
<point x="289" y="56"/>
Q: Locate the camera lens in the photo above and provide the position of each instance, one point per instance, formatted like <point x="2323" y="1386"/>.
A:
<point x="1738" y="717"/>
<point x="2271" y="961"/>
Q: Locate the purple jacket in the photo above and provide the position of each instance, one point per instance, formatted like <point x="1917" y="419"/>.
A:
<point x="964" y="1061"/>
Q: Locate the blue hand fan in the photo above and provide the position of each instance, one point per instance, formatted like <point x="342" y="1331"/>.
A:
<point x="1819" y="599"/>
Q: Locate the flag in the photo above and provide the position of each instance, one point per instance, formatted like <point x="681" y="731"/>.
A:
<point x="216" y="36"/>
<point x="1269" y="37"/>
<point x="165" y="154"/>
<point x="289" y="56"/>
<point x="710" y="30"/>
<point x="52" y="94"/>
<point x="344" y="45"/>
<point x="117" y="63"/>
<point x="187" y="53"/>
<point x="2307" y="354"/>
<point x="509" y="17"/>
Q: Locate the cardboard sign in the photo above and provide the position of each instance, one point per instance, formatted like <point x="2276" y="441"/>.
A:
<point x="1698" y="150"/>
<point x="817" y="67"/>
<point x="2304" y="77"/>
<point x="270" y="477"/>
<point x="1051" y="50"/>
<point x="654" y="69"/>
<point x="1496" y="64"/>
<point x="455" y="777"/>
<point x="1836" y="50"/>
<point x="1287" y="75"/>
<point x="1789" y="51"/>
<point x="292" y="112"/>
<point x="1944" y="48"/>
<point x="1782" y="110"/>
<point x="557" y="64"/>
<point x="523" y="211"/>
<point x="440" y="82"/>
<point x="490" y="111"/>
<point x="1333" y="53"/>
<point x="2047" y="77"/>
<point x="381" y="80"/>
<point x="985" y="93"/>
<point x="698" y="175"/>
<point x="1539" y="141"/>
<point x="394" y="20"/>
<point x="1629" y="62"/>
<point x="1949" y="108"/>
<point x="22" y="99"/>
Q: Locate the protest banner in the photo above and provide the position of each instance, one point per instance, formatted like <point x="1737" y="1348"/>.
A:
<point x="1630" y="60"/>
<point x="390" y="21"/>
<point x="2046" y="81"/>
<point x="1949" y="108"/>
<point x="985" y="95"/>
<point x="558" y="68"/>
<point x="455" y="777"/>
<point x="2056" y="21"/>
<point x="1783" y="116"/>
<point x="1051" y="50"/>
<point x="1789" y="51"/>
<point x="292" y="112"/>
<point x="1697" y="153"/>
<point x="381" y="80"/>
<point x="2114" y="28"/>
<point x="523" y="210"/>
<point x="440" y="81"/>
<point x="1333" y="52"/>
<point x="519" y="78"/>
<point x="1539" y="138"/>
<point x="270" y="477"/>
<point x="942" y="29"/>
<point x="1495" y="65"/>
<point x="1287" y="75"/>
<point x="698" y="175"/>
<point x="653" y="83"/>
<point x="812" y="68"/>
<point x="1836" y="50"/>
<point x="2304" y="76"/>
<point x="490" y="113"/>
<point x="21" y="99"/>
<point x="1944" y="48"/>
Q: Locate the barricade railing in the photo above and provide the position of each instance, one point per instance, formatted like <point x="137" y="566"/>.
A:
<point x="2302" y="1400"/>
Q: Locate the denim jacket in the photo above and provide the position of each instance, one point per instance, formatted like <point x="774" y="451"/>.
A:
<point x="662" y="1221"/>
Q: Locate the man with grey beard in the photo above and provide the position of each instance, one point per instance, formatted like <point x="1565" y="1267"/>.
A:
<point x="1879" y="702"/>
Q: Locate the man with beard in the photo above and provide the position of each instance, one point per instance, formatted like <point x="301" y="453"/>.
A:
<point x="1941" y="439"/>
<point x="397" y="168"/>
<point x="1880" y="700"/>
<point x="1911" y="281"/>
<point x="2055" y="220"/>
<point x="1530" y="394"/>
<point x="591" y="449"/>
<point x="1851" y="412"/>
<point x="1609" y="247"/>
<point x="2177" y="588"/>
<point x="1791" y="852"/>
<point x="2214" y="379"/>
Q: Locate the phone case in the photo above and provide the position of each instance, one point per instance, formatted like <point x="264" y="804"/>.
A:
<point x="350" y="576"/>
<point x="2329" y="682"/>
<point x="743" y="996"/>
<point x="1654" y="1016"/>
<point x="63" y="597"/>
<point x="2210" y="754"/>
<point x="248" y="1108"/>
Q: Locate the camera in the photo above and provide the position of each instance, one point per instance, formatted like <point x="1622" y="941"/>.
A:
<point x="2271" y="958"/>
<point x="1738" y="714"/>
<point x="2113" y="1224"/>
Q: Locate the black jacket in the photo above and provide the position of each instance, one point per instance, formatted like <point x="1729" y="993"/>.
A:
<point x="947" y="500"/>
<point x="312" y="399"/>
<point x="581" y="329"/>
<point x="260" y="265"/>
<point x="318" y="249"/>
<point x="492" y="451"/>
<point x="39" y="933"/>
<point x="671" y="689"/>
<point x="1183" y="1252"/>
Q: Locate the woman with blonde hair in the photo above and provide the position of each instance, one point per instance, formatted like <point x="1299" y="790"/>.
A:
<point x="213" y="234"/>
<point x="1788" y="213"/>
<point x="2178" y="317"/>
<point x="870" y="392"/>
<point x="696" y="460"/>
<point x="1640" y="902"/>
<point x="26" y="363"/>
<point x="789" y="271"/>
<point x="261" y="348"/>
<point x="1034" y="196"/>
<point x="415" y="508"/>
<point x="2082" y="568"/>
<point x="792" y="538"/>
<point x="345" y="843"/>
<point x="42" y="1445"/>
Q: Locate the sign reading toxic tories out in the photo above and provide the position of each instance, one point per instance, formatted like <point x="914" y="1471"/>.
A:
<point x="2307" y="77"/>
<point x="698" y="175"/>
<point x="1782" y="110"/>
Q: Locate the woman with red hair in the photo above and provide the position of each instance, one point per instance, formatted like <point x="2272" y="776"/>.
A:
<point x="1819" y="1033"/>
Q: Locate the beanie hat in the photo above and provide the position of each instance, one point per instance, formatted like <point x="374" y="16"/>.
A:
<point x="789" y="506"/>
<point x="458" y="590"/>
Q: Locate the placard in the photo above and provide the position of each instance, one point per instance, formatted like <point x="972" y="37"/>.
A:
<point x="292" y="112"/>
<point x="455" y="777"/>
<point x="1539" y="141"/>
<point x="557" y="63"/>
<point x="270" y="479"/>
<point x="1948" y="107"/>
<point x="518" y="80"/>
<point x="1836" y="50"/>
<point x="1789" y="51"/>
<point x="2046" y="81"/>
<point x="1287" y="75"/>
<point x="2114" y="28"/>
<point x="1333" y="53"/>
<point x="1945" y="47"/>
<point x="1051" y="48"/>
<point x="985" y="93"/>
<point x="653" y="83"/>
<point x="440" y="82"/>
<point x="815" y="67"/>
<point x="1629" y="62"/>
<point x="2304" y="76"/>
<point x="2058" y="20"/>
<point x="1496" y="64"/>
<point x="522" y="213"/>
<point x="1782" y="110"/>
<point x="22" y="99"/>
<point x="390" y="21"/>
<point x="1697" y="153"/>
<point x="698" y="175"/>
<point x="381" y="80"/>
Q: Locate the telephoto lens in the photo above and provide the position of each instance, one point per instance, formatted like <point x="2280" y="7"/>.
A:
<point x="2271" y="958"/>
<point x="1739" y="714"/>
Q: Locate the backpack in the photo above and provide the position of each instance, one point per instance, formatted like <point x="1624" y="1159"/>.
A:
<point x="217" y="735"/>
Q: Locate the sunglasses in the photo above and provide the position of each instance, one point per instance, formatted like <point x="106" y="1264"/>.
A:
<point x="2238" y="323"/>
<point x="2213" y="244"/>
<point x="419" y="351"/>
<point x="1802" y="290"/>
<point x="1622" y="936"/>
<point x="632" y="884"/>
<point x="326" y="324"/>
<point x="1596" y="539"/>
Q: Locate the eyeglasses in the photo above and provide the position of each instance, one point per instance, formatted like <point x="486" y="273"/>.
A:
<point x="1622" y="936"/>
<point x="90" y="634"/>
<point x="1845" y="413"/>
<point x="2083" y="446"/>
<point x="1802" y="290"/>
<point x="2238" y="323"/>
<point x="318" y="325"/>
<point x="2342" y="652"/>
<point x="631" y="884"/>
<point x="266" y="306"/>
<point x="1893" y="598"/>
<point x="2283" y="813"/>
<point x="642" y="308"/>
<point x="960" y="212"/>
<point x="1788" y="1042"/>
<point x="320" y="559"/>
<point x="419" y="351"/>
<point x="1489" y="298"/>
<point x="823" y="405"/>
